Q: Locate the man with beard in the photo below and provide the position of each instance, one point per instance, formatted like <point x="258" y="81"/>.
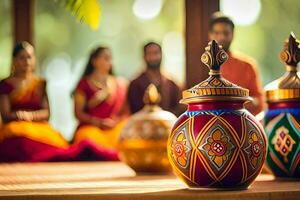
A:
<point x="238" y="69"/>
<point x="169" y="91"/>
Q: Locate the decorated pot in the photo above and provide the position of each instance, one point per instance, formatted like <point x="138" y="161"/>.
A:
<point x="216" y="143"/>
<point x="282" y="120"/>
<point x="143" y="141"/>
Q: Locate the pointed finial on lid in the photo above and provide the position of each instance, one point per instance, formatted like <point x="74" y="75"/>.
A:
<point x="287" y="87"/>
<point x="215" y="87"/>
<point x="151" y="96"/>
<point x="213" y="57"/>
<point x="290" y="54"/>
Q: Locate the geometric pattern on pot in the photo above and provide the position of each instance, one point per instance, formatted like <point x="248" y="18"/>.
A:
<point x="284" y="143"/>
<point x="254" y="147"/>
<point x="254" y="150"/>
<point x="181" y="147"/>
<point x="217" y="145"/>
<point x="220" y="146"/>
<point x="215" y="112"/>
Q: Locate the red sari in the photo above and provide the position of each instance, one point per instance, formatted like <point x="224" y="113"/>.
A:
<point x="22" y="140"/>
<point x="104" y="140"/>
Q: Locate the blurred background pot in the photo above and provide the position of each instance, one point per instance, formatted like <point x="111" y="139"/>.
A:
<point x="283" y="115"/>
<point x="143" y="141"/>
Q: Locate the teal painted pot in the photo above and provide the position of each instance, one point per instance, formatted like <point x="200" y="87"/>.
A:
<point x="282" y="120"/>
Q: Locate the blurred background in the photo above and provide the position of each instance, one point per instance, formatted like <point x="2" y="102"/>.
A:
<point x="63" y="43"/>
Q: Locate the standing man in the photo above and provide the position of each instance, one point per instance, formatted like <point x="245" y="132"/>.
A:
<point x="169" y="91"/>
<point x="239" y="69"/>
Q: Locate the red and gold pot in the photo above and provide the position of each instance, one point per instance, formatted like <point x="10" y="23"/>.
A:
<point x="216" y="143"/>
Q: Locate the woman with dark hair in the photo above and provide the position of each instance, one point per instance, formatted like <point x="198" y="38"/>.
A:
<point x="25" y="134"/>
<point x="100" y="105"/>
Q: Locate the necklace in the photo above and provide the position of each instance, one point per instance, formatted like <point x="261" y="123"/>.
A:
<point x="22" y="83"/>
<point x="105" y="83"/>
<point x="99" y="83"/>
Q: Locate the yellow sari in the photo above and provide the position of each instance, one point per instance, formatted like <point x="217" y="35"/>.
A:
<point x="28" y="97"/>
<point x="106" y="139"/>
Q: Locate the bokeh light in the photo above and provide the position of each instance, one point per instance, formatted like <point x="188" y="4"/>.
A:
<point x="59" y="87"/>
<point x="242" y="12"/>
<point x="6" y="38"/>
<point x="173" y="50"/>
<point x="145" y="9"/>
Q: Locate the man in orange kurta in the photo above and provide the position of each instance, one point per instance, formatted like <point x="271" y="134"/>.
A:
<point x="239" y="69"/>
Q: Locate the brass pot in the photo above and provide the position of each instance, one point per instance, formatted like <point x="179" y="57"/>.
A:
<point x="143" y="141"/>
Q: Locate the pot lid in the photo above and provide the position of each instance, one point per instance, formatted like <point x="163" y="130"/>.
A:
<point x="151" y="122"/>
<point x="215" y="87"/>
<point x="152" y="110"/>
<point x="287" y="87"/>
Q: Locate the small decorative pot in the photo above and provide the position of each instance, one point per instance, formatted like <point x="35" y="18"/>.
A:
<point x="143" y="141"/>
<point x="282" y="120"/>
<point x="216" y="143"/>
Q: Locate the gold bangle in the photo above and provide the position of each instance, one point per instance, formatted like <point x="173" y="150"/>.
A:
<point x="18" y="115"/>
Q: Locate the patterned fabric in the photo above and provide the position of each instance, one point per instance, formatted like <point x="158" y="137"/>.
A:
<point x="21" y="140"/>
<point x="24" y="97"/>
<point x="107" y="108"/>
<point x="103" y="140"/>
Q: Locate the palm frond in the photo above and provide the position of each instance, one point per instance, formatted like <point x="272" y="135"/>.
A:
<point x="87" y="11"/>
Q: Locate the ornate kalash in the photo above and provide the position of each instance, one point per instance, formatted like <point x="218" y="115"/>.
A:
<point x="283" y="115"/>
<point x="143" y="141"/>
<point x="216" y="143"/>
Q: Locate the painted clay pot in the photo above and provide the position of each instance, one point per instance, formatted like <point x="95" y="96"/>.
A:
<point x="282" y="120"/>
<point x="143" y="141"/>
<point x="216" y="143"/>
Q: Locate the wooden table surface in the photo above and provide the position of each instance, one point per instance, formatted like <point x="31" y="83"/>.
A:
<point x="114" y="180"/>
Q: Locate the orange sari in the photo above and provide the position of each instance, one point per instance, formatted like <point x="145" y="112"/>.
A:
<point x="28" y="97"/>
<point x="108" y="108"/>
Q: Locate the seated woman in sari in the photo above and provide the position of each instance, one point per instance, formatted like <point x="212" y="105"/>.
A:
<point x="100" y="106"/>
<point x="25" y="134"/>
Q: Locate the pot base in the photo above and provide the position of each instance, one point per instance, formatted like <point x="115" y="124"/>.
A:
<point x="219" y="189"/>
